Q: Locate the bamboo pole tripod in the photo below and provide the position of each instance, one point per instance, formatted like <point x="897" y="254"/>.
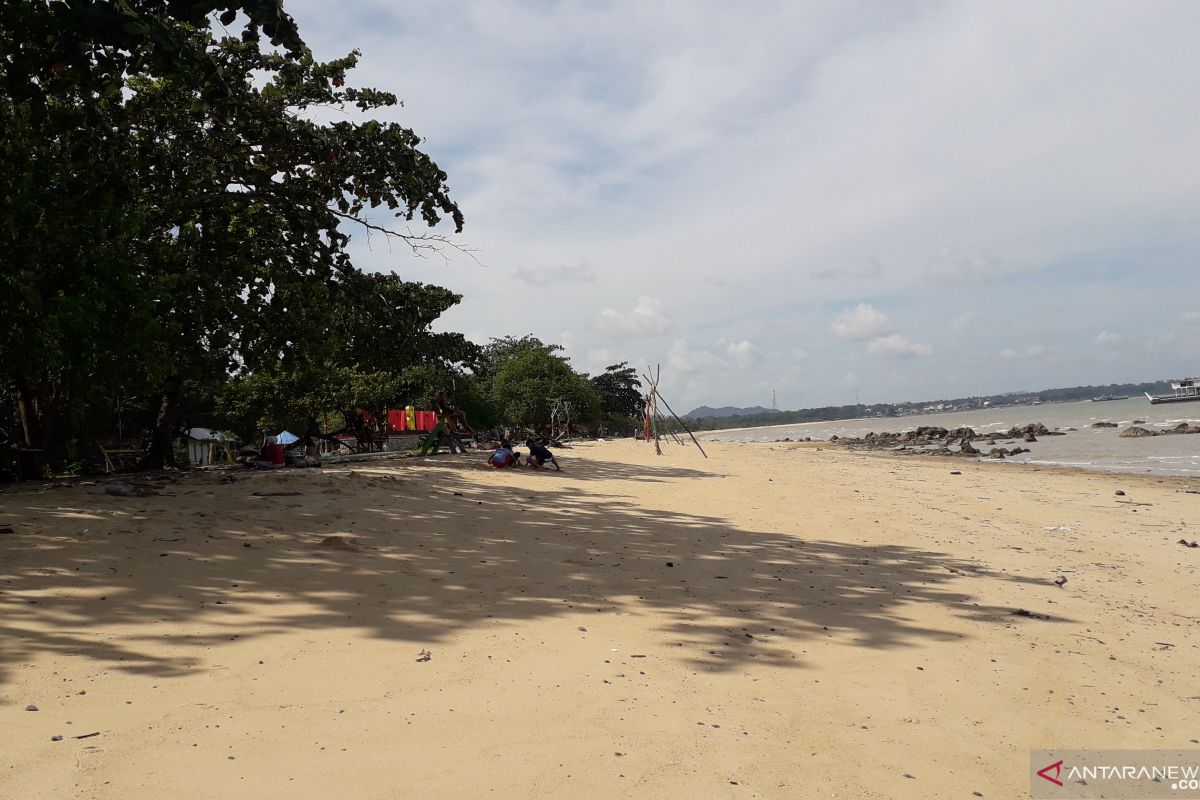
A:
<point x="653" y="417"/>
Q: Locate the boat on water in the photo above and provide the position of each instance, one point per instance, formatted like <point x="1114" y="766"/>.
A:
<point x="1182" y="390"/>
<point x="1106" y="397"/>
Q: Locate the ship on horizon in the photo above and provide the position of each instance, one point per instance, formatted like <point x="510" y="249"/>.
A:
<point x="1183" y="390"/>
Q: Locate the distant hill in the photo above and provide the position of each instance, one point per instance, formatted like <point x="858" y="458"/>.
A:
<point x="725" y="411"/>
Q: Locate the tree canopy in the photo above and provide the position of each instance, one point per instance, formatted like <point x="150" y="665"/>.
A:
<point x="173" y="215"/>
<point x="528" y="384"/>
<point x="175" y="218"/>
<point x="619" y="390"/>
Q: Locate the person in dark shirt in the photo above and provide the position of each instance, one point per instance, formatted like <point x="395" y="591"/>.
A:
<point x="539" y="456"/>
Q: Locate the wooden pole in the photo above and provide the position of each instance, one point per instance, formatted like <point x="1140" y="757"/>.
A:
<point x="653" y="412"/>
<point x="670" y="432"/>
<point x="646" y="418"/>
<point x="685" y="427"/>
<point x="654" y="419"/>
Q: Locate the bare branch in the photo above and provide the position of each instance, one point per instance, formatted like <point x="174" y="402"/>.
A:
<point x="421" y="244"/>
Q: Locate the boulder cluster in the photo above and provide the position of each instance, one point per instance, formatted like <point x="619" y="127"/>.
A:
<point x="933" y="440"/>
<point x="1133" y="431"/>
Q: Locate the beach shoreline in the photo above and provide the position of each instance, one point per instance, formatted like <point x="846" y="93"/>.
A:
<point x="954" y="462"/>
<point x="746" y="625"/>
<point x="1091" y="434"/>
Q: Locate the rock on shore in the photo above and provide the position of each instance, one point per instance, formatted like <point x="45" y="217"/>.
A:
<point x="1136" y="432"/>
<point x="934" y="440"/>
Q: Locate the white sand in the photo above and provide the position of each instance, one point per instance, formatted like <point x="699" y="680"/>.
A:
<point x="834" y="625"/>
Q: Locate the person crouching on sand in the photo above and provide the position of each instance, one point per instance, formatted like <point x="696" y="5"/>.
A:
<point x="503" y="456"/>
<point x="539" y="456"/>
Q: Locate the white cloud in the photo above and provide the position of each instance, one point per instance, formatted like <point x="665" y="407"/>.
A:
<point x="684" y="360"/>
<point x="860" y="323"/>
<point x="1106" y="339"/>
<point x="1190" y="317"/>
<point x="646" y="319"/>
<point x="545" y="276"/>
<point x="597" y="360"/>
<point x="897" y="346"/>
<point x="743" y="353"/>
<point x="1013" y="159"/>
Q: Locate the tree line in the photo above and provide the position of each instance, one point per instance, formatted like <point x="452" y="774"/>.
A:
<point x="174" y="227"/>
<point x="833" y="413"/>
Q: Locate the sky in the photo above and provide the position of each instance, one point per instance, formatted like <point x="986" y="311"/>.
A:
<point x="875" y="201"/>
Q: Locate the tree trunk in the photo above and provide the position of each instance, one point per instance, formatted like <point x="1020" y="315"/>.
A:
<point x="30" y="432"/>
<point x="44" y="421"/>
<point x="160" y="445"/>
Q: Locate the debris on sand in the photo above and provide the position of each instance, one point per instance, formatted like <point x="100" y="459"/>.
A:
<point x="276" y="494"/>
<point x="1186" y="543"/>
<point x="1061" y="580"/>
<point x="1021" y="612"/>
<point x="129" y="490"/>
<point x="424" y="656"/>
<point x="344" y="543"/>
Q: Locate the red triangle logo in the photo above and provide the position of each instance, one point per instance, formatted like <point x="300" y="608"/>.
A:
<point x="1057" y="767"/>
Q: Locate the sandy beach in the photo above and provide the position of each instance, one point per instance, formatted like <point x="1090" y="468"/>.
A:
<point x="778" y="621"/>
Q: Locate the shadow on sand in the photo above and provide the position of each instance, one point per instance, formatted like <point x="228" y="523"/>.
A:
<point x="436" y="552"/>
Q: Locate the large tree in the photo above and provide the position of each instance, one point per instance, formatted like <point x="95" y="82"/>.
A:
<point x="501" y="349"/>
<point x="379" y="351"/>
<point x="173" y="210"/>
<point x="527" y="386"/>
<point x="50" y="48"/>
<point x="620" y="390"/>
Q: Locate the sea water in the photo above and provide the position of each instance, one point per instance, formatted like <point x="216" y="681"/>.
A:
<point x="1086" y="447"/>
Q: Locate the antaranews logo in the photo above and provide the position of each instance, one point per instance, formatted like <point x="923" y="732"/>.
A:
<point x="1057" y="767"/>
<point x="1119" y="774"/>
